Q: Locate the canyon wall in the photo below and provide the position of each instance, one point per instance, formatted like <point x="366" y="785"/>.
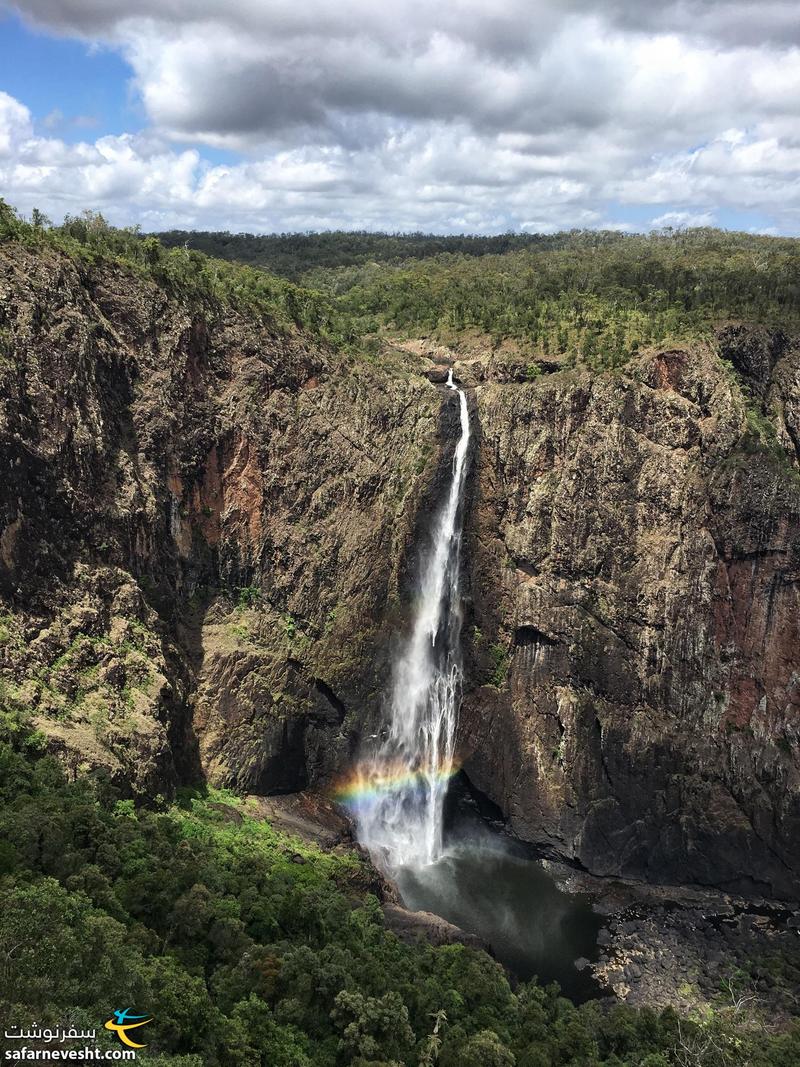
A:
<point x="634" y="545"/>
<point x="209" y="526"/>
<point x="204" y="527"/>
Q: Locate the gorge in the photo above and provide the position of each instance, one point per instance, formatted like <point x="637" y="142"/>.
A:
<point x="211" y="572"/>
<point x="398" y="790"/>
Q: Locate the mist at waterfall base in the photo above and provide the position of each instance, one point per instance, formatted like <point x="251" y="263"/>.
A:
<point x="398" y="788"/>
<point x="494" y="887"/>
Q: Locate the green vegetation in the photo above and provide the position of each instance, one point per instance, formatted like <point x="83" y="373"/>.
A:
<point x="595" y="298"/>
<point x="590" y="297"/>
<point x="760" y="438"/>
<point x="584" y="297"/>
<point x="292" y="254"/>
<point x="247" y="597"/>
<point x="187" y="275"/>
<point x="501" y="659"/>
<point x="249" y="947"/>
<point x="252" y="948"/>
<point x="94" y="677"/>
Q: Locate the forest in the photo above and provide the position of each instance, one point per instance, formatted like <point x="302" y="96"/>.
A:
<point x="584" y="297"/>
<point x="247" y="946"/>
<point x="589" y="298"/>
<point x="292" y="254"/>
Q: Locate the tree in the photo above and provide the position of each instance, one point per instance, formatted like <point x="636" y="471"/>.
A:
<point x="39" y="220"/>
<point x="433" y="1042"/>
<point x="270" y="1043"/>
<point x="372" y="1027"/>
<point x="486" y="1049"/>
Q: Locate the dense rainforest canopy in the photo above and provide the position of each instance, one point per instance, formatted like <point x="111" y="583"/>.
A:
<point x="249" y="947"/>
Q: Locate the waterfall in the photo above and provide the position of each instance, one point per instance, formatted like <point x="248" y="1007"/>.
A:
<point x="399" y="789"/>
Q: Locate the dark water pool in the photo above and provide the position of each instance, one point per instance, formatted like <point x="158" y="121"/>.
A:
<point x="509" y="900"/>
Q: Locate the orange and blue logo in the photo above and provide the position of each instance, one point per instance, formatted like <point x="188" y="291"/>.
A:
<point x="122" y="1021"/>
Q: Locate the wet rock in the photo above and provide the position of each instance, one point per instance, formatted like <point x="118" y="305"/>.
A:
<point x="423" y="925"/>
<point x="437" y="375"/>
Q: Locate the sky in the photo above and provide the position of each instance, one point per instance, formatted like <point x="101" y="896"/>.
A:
<point x="462" y="116"/>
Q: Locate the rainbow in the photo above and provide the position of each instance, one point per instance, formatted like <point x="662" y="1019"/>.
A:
<point x="368" y="784"/>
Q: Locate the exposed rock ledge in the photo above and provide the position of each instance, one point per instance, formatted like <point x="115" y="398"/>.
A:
<point x="307" y="815"/>
<point x="425" y="926"/>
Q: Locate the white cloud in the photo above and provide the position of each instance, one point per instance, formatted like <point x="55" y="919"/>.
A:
<point x="15" y="124"/>
<point x="457" y="115"/>
<point x="433" y="176"/>
<point x="53" y="119"/>
<point x="683" y="219"/>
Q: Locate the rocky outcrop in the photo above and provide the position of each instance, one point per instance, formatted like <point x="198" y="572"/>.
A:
<point x="204" y="524"/>
<point x="305" y="815"/>
<point x="414" y="926"/>
<point x="635" y="633"/>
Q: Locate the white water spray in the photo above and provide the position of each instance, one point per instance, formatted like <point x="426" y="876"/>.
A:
<point x="404" y="782"/>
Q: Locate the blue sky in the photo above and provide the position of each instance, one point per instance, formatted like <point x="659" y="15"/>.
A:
<point x="526" y="114"/>
<point x="52" y="74"/>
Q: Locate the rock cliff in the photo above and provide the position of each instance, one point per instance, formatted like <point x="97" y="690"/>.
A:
<point x="204" y="523"/>
<point x="634" y="562"/>
<point x="208" y="525"/>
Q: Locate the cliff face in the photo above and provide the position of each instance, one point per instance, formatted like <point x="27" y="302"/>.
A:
<point x="634" y="543"/>
<point x="207" y="526"/>
<point x="202" y="527"/>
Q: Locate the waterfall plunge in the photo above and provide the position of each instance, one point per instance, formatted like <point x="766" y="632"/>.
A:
<point x="402" y="784"/>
